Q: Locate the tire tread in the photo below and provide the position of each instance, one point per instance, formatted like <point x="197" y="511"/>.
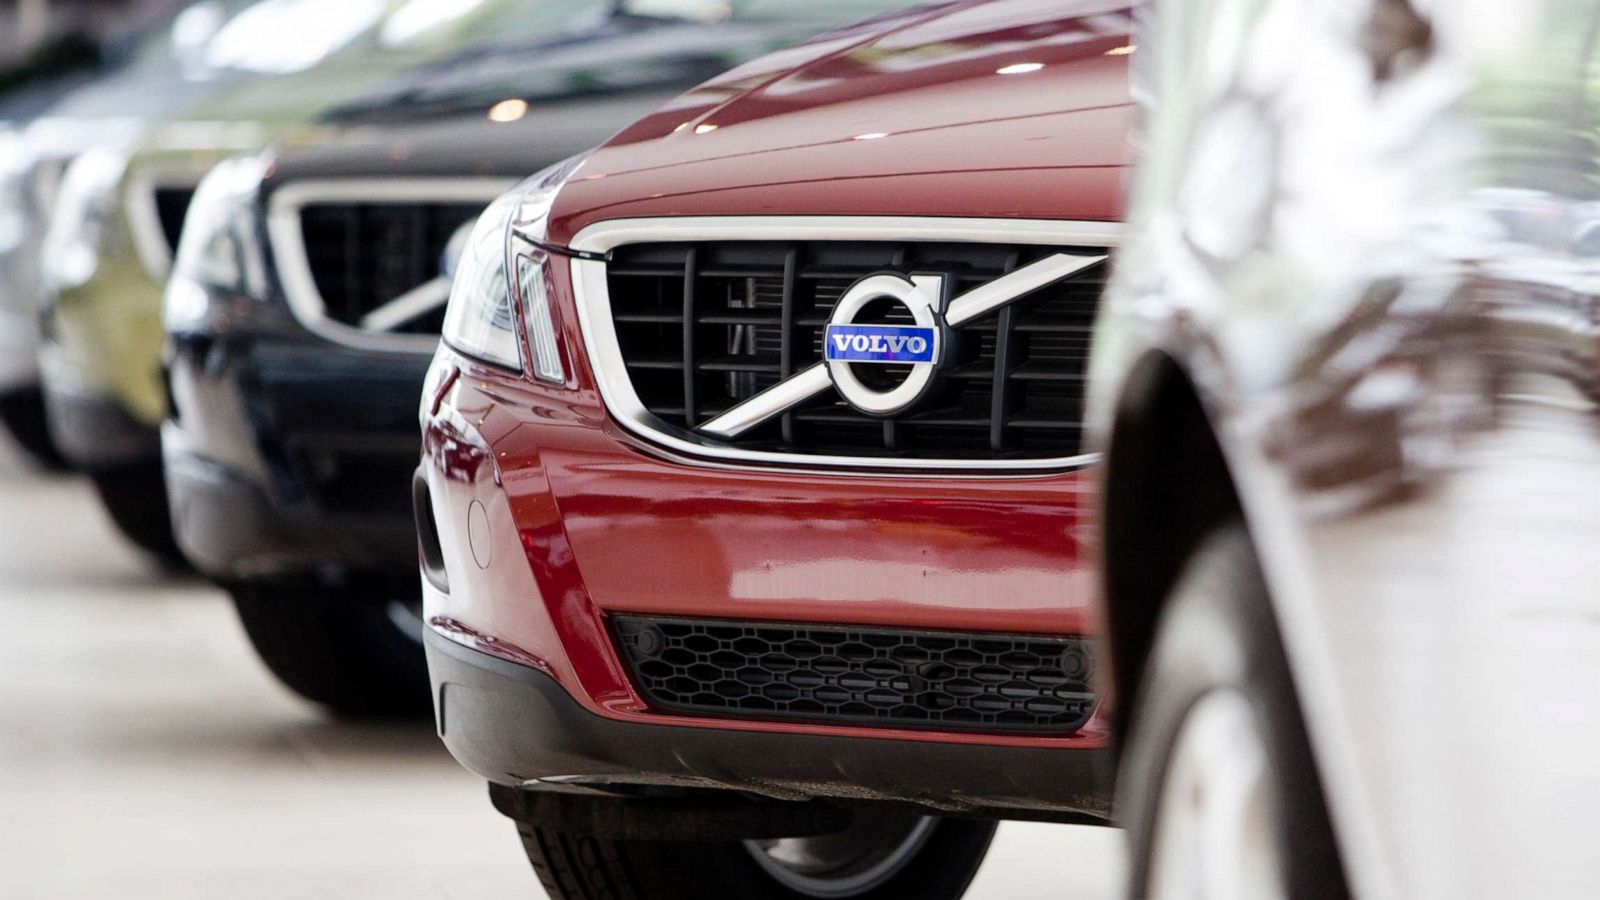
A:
<point x="338" y="650"/>
<point x="574" y="866"/>
<point x="1219" y="630"/>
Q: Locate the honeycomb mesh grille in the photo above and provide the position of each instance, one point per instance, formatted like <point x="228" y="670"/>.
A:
<point x="861" y="676"/>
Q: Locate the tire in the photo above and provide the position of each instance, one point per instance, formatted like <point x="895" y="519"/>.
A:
<point x="24" y="416"/>
<point x="135" y="497"/>
<point x="344" y="647"/>
<point x="583" y="867"/>
<point x="1218" y="659"/>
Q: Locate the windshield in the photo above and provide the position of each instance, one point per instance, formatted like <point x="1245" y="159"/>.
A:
<point x="426" y="24"/>
<point x="284" y="36"/>
<point x="761" y="10"/>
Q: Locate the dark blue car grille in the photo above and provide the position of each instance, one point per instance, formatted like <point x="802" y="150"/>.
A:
<point x="364" y="255"/>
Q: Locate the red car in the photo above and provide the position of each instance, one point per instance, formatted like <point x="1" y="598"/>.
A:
<point x="753" y="505"/>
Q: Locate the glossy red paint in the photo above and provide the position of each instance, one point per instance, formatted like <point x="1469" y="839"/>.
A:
<point x="908" y="121"/>
<point x="587" y="520"/>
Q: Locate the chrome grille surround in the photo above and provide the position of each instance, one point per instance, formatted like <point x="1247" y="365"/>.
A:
<point x="156" y="204"/>
<point x="592" y="293"/>
<point x="291" y="257"/>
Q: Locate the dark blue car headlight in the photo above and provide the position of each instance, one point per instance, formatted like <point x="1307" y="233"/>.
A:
<point x="220" y="253"/>
<point x="84" y="220"/>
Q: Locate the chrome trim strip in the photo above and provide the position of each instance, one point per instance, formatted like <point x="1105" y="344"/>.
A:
<point x="593" y="300"/>
<point x="294" y="266"/>
<point x="144" y="218"/>
<point x="979" y="301"/>
<point x="771" y="402"/>
<point x="420" y="300"/>
<point x="602" y="237"/>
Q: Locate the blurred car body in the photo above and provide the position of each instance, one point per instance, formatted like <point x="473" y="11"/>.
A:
<point x="21" y="403"/>
<point x="26" y="101"/>
<point x="292" y="435"/>
<point x="50" y="125"/>
<point x="122" y="205"/>
<point x="1346" y="388"/>
<point x="684" y="565"/>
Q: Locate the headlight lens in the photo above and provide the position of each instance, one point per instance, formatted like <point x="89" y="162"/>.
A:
<point x="84" y="217"/>
<point x="479" y="320"/>
<point x="541" y="325"/>
<point x="505" y="262"/>
<point x="220" y="251"/>
<point x="13" y="196"/>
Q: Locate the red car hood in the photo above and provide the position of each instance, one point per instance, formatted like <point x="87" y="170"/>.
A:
<point x="1001" y="108"/>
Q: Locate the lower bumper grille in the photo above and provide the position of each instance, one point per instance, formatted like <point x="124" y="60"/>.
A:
<point x="970" y="682"/>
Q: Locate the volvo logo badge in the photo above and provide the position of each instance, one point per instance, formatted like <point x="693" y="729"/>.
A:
<point x="847" y="344"/>
<point x="883" y="344"/>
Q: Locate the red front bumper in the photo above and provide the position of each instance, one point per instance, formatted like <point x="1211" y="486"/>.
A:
<point x="551" y="518"/>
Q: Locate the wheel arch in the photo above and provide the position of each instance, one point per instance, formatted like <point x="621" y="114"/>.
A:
<point x="1166" y="485"/>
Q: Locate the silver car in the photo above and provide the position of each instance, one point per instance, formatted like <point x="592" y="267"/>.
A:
<point x="1346" y="385"/>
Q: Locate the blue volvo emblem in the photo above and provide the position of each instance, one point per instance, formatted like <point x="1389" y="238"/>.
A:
<point x="879" y="344"/>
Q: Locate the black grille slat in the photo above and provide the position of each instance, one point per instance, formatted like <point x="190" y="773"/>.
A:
<point x="172" y="206"/>
<point x="366" y="254"/>
<point x="691" y="280"/>
<point x="759" y="311"/>
<point x="893" y="435"/>
<point x="864" y="676"/>
<point x="746" y="320"/>
<point x="739" y="364"/>
<point x="1032" y="371"/>
<point x="671" y="362"/>
<point x="351" y="299"/>
<point x="978" y="371"/>
<point x="417" y="250"/>
<point x="789" y="315"/>
<point x="1042" y="424"/>
<point x="1002" y="399"/>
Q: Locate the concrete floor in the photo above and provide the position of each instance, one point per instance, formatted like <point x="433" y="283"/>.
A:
<point x="144" y="752"/>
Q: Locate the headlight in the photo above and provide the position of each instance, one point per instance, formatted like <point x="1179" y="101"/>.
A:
<point x="503" y="267"/>
<point x="220" y="253"/>
<point x="13" y="194"/>
<point x="84" y="217"/>
<point x="480" y="320"/>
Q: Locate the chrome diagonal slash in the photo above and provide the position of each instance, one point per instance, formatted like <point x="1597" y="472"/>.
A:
<point x="797" y="389"/>
<point x="974" y="304"/>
